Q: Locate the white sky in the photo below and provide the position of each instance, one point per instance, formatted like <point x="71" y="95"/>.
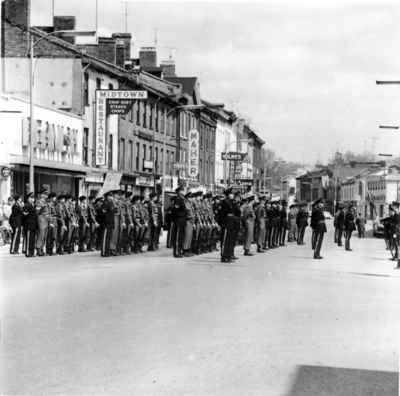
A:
<point x="303" y="72"/>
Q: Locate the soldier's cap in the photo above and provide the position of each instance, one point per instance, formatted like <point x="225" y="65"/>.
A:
<point x="188" y="195"/>
<point x="60" y="196"/>
<point x="44" y="191"/>
<point x="68" y="196"/>
<point x="179" y="188"/>
<point x="92" y="196"/>
<point x="52" y="195"/>
<point x="228" y="191"/>
<point x="283" y="202"/>
<point x="128" y="194"/>
<point x="152" y="194"/>
<point x="262" y="197"/>
<point x="106" y="194"/>
<point x="199" y="193"/>
<point x="293" y="206"/>
<point x="317" y="201"/>
<point x="208" y="194"/>
<point x="303" y="203"/>
<point x="82" y="198"/>
<point x="142" y="197"/>
<point x="135" y="198"/>
<point x="98" y="199"/>
<point x="16" y="197"/>
<point x="30" y="195"/>
<point x="249" y="197"/>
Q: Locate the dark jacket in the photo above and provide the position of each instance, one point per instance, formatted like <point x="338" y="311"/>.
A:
<point x="16" y="217"/>
<point x="30" y="217"/>
<point x="109" y="210"/>
<point x="302" y="218"/>
<point x="349" y="223"/>
<point x="319" y="221"/>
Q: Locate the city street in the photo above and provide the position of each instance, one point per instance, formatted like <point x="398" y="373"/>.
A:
<point x="275" y="324"/>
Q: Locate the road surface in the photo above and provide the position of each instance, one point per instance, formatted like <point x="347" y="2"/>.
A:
<point x="274" y="324"/>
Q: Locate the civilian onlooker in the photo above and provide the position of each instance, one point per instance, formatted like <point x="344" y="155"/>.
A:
<point x="360" y="223"/>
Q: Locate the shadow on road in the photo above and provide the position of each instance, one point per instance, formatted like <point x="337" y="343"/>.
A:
<point x="337" y="381"/>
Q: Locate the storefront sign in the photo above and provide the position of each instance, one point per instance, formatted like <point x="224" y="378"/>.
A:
<point x="193" y="153"/>
<point x="145" y="181"/>
<point x="233" y="156"/>
<point x="5" y="172"/>
<point x="120" y="103"/>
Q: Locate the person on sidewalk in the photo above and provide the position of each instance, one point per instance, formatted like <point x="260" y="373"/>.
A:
<point x="349" y="226"/>
<point x="42" y="210"/>
<point x="248" y="218"/>
<point x="340" y="225"/>
<point x="16" y="220"/>
<point x="153" y="222"/>
<point x="319" y="227"/>
<point x="179" y="219"/>
<point x="109" y="211"/>
<point x="292" y="224"/>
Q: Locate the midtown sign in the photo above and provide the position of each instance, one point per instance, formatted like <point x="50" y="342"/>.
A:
<point x="109" y="101"/>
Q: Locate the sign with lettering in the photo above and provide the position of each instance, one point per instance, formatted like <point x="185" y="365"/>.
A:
<point x="120" y="103"/>
<point x="111" y="182"/>
<point x="193" y="153"/>
<point x="233" y="156"/>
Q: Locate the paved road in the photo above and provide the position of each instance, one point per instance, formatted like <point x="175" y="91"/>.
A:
<point x="274" y="324"/>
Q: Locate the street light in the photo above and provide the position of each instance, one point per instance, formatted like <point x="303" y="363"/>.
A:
<point x="32" y="43"/>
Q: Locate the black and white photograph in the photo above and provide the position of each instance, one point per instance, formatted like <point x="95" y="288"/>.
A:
<point x="200" y="198"/>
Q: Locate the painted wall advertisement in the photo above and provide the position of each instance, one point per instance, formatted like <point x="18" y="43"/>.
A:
<point x="193" y="153"/>
<point x="110" y="101"/>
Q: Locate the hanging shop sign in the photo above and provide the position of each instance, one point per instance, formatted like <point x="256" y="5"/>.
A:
<point x="233" y="156"/>
<point x="193" y="153"/>
<point x="111" y="182"/>
<point x="110" y="101"/>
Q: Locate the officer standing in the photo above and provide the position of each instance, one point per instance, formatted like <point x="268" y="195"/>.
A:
<point x="395" y="228"/>
<point x="93" y="224"/>
<point x="137" y="225"/>
<point x="320" y="228"/>
<point x="260" y="224"/>
<point x="108" y="210"/>
<point x="340" y="224"/>
<point x="82" y="215"/>
<point x="349" y="225"/>
<point x="116" y="230"/>
<point x="268" y="226"/>
<point x="42" y="210"/>
<point x="248" y="218"/>
<point x="179" y="219"/>
<point x="53" y="224"/>
<point x="292" y="234"/>
<point x="62" y="229"/>
<point x="153" y="222"/>
<point x="301" y="222"/>
<point x="126" y="215"/>
<point x="169" y="222"/>
<point x="189" y="226"/>
<point x="16" y="220"/>
<point x="30" y="224"/>
<point x="283" y="222"/>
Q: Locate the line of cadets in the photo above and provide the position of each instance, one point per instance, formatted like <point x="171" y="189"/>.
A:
<point x="196" y="222"/>
<point x="116" y="224"/>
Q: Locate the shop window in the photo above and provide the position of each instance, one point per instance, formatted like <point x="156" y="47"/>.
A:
<point x="86" y="89"/>
<point x="98" y="83"/>
<point x="130" y="158"/>
<point x="138" y="113"/>
<point x="121" y="151"/>
<point x="144" y="123"/>
<point x="144" y="156"/>
<point x="85" y="146"/>
<point x="137" y="156"/>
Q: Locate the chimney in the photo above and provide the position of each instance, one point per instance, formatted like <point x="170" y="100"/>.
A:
<point x="123" y="47"/>
<point x="107" y="49"/>
<point x="148" y="57"/>
<point x="16" y="11"/>
<point x="65" y="23"/>
<point x="168" y="68"/>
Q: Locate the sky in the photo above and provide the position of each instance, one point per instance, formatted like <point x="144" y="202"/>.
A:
<point x="302" y="72"/>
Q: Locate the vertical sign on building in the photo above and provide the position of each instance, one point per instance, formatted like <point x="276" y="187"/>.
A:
<point x="109" y="101"/>
<point x="193" y="153"/>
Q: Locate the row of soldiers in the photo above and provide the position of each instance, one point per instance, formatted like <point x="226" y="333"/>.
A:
<point x="199" y="221"/>
<point x="391" y="225"/>
<point x="116" y="223"/>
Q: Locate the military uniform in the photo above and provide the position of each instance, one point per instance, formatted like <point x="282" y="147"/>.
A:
<point x="62" y="229"/>
<point x="16" y="221"/>
<point x="42" y="210"/>
<point x="319" y="229"/>
<point x="72" y="225"/>
<point x="248" y="218"/>
<point x="179" y="219"/>
<point x="189" y="226"/>
<point x="93" y="225"/>
<point x="30" y="226"/>
<point x="82" y="215"/>
<point x="136" y="239"/>
<point x="153" y="223"/>
<point x="260" y="225"/>
<point x="52" y="225"/>
<point x="116" y="231"/>
<point x="349" y="226"/>
<point x="127" y="232"/>
<point x="302" y="223"/>
<point x="108" y="209"/>
<point x="283" y="225"/>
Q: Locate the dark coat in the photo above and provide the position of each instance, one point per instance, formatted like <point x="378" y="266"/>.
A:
<point x="17" y="216"/>
<point x="319" y="221"/>
<point x="30" y="217"/>
<point x="302" y="218"/>
<point x="349" y="223"/>
<point x="109" y="209"/>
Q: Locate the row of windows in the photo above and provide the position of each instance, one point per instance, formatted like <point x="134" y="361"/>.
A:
<point x="144" y="153"/>
<point x="377" y="185"/>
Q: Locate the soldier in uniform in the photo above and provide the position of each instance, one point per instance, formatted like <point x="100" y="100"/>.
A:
<point x="93" y="224"/>
<point x="275" y="222"/>
<point x="319" y="228"/>
<point x="42" y="210"/>
<point x="302" y="223"/>
<point x="395" y="229"/>
<point x="313" y="225"/>
<point x="340" y="224"/>
<point x="214" y="233"/>
<point x="292" y="226"/>
<point x="153" y="222"/>
<point x="260" y="224"/>
<point x="52" y="225"/>
<point x="349" y="225"/>
<point x="126" y="216"/>
<point x="198" y="225"/>
<point x="179" y="219"/>
<point x="30" y="224"/>
<point x="71" y="223"/>
<point x="116" y="231"/>
<point x="136" y="241"/>
<point x="248" y="218"/>
<point x="144" y="213"/>
<point x="16" y="220"/>
<point x="82" y="215"/>
<point x="189" y="225"/>
<point x="108" y="210"/>
<point x="62" y="229"/>
<point x="283" y="222"/>
<point x="98" y="204"/>
<point x="268" y="226"/>
<point x="160" y="222"/>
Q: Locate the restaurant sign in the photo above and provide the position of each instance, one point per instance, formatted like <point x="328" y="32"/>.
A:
<point x="110" y="101"/>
